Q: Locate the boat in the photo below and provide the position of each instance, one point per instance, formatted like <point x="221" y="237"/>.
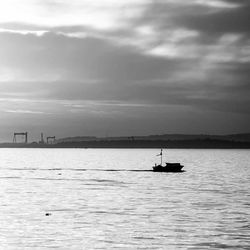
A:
<point x="169" y="167"/>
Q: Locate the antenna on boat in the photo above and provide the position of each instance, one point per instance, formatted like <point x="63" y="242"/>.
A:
<point x="161" y="156"/>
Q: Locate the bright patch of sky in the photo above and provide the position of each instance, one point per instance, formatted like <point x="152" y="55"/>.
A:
<point x="105" y="14"/>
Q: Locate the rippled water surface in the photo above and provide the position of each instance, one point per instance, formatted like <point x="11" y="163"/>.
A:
<point x="90" y="205"/>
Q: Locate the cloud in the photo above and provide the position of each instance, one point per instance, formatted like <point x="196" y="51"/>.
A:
<point x="59" y="67"/>
<point x="20" y="111"/>
<point x="107" y="14"/>
<point x="23" y="32"/>
<point x="121" y="63"/>
<point x="233" y="20"/>
<point x="74" y="58"/>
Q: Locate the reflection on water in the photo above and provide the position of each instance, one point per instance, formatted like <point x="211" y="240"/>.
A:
<point x="110" y="199"/>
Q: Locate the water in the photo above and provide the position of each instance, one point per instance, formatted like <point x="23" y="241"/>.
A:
<point x="91" y="207"/>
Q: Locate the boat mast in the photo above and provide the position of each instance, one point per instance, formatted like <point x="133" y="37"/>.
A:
<point x="161" y="157"/>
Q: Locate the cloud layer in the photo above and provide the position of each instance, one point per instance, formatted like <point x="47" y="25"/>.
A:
<point x="150" y="67"/>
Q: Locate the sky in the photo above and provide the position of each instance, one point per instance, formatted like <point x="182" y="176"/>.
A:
<point x="110" y="68"/>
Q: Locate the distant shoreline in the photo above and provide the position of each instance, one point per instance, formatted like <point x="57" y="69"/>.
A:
<point x="175" y="144"/>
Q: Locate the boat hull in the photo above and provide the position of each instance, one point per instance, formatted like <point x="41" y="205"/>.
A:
<point x="170" y="167"/>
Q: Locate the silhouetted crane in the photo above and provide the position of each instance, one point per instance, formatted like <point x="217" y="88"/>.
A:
<point x="23" y="134"/>
<point x="51" y="139"/>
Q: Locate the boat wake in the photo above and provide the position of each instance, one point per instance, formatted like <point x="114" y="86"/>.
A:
<point x="83" y="169"/>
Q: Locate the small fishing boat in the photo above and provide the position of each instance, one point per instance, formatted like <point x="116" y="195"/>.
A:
<point x="169" y="167"/>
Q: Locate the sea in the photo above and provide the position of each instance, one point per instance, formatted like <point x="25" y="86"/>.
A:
<point x="110" y="199"/>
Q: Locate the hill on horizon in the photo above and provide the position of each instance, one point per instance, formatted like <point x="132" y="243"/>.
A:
<point x="244" y="137"/>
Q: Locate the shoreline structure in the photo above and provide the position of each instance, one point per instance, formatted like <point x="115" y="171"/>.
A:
<point x="235" y="141"/>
